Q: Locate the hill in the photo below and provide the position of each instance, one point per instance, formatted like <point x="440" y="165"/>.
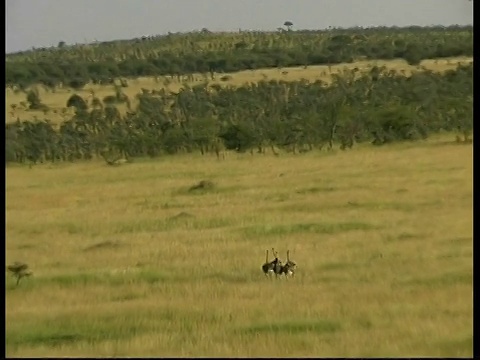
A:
<point x="205" y="52"/>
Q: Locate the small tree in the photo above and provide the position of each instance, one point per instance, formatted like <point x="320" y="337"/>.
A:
<point x="19" y="270"/>
<point x="77" y="102"/>
<point x="33" y="98"/>
<point x="413" y="55"/>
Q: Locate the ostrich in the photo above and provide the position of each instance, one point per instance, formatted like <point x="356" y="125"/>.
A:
<point x="290" y="267"/>
<point x="270" y="267"/>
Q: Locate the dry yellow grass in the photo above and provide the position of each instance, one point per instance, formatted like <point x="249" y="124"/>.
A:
<point x="57" y="101"/>
<point x="382" y="236"/>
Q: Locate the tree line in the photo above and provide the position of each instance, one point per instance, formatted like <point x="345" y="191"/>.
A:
<point x="379" y="107"/>
<point x="205" y="52"/>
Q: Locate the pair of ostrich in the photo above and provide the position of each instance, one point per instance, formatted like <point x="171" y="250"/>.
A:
<point x="277" y="267"/>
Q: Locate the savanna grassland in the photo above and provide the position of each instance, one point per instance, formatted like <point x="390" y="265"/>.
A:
<point x="128" y="262"/>
<point x="56" y="101"/>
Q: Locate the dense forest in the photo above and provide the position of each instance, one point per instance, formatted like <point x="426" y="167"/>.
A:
<point x="379" y="106"/>
<point x="206" y="52"/>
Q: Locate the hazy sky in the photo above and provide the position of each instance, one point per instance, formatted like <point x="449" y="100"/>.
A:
<point x="46" y="22"/>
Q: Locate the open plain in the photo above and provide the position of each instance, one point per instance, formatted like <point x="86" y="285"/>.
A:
<point x="128" y="261"/>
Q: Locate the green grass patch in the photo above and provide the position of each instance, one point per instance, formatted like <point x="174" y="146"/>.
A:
<point x="159" y="225"/>
<point x="79" y="228"/>
<point x="116" y="278"/>
<point x="26" y="246"/>
<point x="150" y="204"/>
<point x="447" y="279"/>
<point x="407" y="236"/>
<point x="126" y="297"/>
<point x="278" y="197"/>
<point x="404" y="236"/>
<point x="458" y="347"/>
<point x="301" y="207"/>
<point x="84" y="279"/>
<point x="333" y="266"/>
<point x="399" y="206"/>
<point x="460" y="239"/>
<point x="66" y="329"/>
<point x="316" y="189"/>
<point x="293" y="327"/>
<point x="236" y="278"/>
<point x="315" y="228"/>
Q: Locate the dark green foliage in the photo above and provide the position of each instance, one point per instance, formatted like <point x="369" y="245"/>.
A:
<point x="413" y="55"/>
<point x="77" y="84"/>
<point x="33" y="99"/>
<point x="173" y="140"/>
<point x="110" y="100"/>
<point x="77" y="102"/>
<point x="288" y="24"/>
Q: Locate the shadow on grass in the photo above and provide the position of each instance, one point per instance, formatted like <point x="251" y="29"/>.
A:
<point x="95" y="327"/>
<point x="120" y="278"/>
<point x="56" y="331"/>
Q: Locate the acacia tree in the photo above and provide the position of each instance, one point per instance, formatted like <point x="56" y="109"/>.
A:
<point x="288" y="24"/>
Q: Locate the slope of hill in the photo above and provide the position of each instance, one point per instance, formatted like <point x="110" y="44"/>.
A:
<point x="179" y="54"/>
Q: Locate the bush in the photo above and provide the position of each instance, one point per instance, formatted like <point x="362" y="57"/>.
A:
<point x="77" y="102"/>
<point x="77" y="84"/>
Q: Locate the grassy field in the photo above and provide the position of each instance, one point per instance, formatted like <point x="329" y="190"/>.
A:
<point x="57" y="101"/>
<point x="128" y="262"/>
